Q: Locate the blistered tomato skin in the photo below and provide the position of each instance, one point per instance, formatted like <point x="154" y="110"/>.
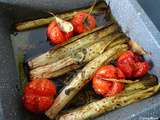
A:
<point x="132" y="65"/>
<point x="141" y="68"/>
<point x="120" y="74"/>
<point x="83" y="22"/>
<point x="68" y="35"/>
<point x="36" y="103"/>
<point x="38" y="95"/>
<point x="101" y="87"/>
<point x="108" y="88"/>
<point x="127" y="57"/>
<point x="126" y="68"/>
<point x="56" y="35"/>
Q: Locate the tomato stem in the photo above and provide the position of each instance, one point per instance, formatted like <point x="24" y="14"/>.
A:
<point x="90" y="11"/>
<point x="92" y="7"/>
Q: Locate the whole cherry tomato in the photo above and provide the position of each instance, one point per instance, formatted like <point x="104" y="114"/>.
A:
<point x="83" y="22"/>
<point x="108" y="88"/>
<point x="132" y="65"/>
<point x="39" y="95"/>
<point x="56" y="35"/>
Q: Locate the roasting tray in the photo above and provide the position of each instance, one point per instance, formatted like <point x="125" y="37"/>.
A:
<point x="129" y="14"/>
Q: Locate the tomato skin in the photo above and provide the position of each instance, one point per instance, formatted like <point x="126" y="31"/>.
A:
<point x="80" y="26"/>
<point x="50" y="27"/>
<point x="141" y="68"/>
<point x="117" y="88"/>
<point x="120" y="74"/>
<point x="126" y="68"/>
<point x="38" y="95"/>
<point x="108" y="88"/>
<point x="132" y="65"/>
<point x="101" y="87"/>
<point x="36" y="103"/>
<point x="127" y="57"/>
<point x="108" y="71"/>
<point x="68" y="35"/>
<point x="56" y="35"/>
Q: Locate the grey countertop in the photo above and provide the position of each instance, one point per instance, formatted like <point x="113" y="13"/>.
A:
<point x="152" y="8"/>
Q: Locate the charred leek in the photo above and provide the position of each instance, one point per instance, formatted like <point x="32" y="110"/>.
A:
<point x="80" y="58"/>
<point x="54" y="55"/>
<point x="97" y="108"/>
<point x="87" y="96"/>
<point x="82" y="78"/>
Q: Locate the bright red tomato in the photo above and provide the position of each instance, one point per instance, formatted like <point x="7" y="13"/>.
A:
<point x="39" y="95"/>
<point x="56" y="35"/>
<point x="83" y="22"/>
<point x="132" y="65"/>
<point x="141" y="68"/>
<point x="108" y="88"/>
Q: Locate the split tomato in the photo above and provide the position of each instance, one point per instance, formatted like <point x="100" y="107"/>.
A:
<point x="83" y="22"/>
<point x="39" y="95"/>
<point x="104" y="87"/>
<point x="132" y="65"/>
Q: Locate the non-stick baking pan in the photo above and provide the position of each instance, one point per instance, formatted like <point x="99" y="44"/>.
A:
<point x="129" y="14"/>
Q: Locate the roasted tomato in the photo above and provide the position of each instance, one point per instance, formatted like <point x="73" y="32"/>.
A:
<point x="141" y="68"/>
<point x="56" y="35"/>
<point x="108" y="88"/>
<point x="126" y="63"/>
<point x="39" y="95"/>
<point x="132" y="65"/>
<point x="83" y="22"/>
